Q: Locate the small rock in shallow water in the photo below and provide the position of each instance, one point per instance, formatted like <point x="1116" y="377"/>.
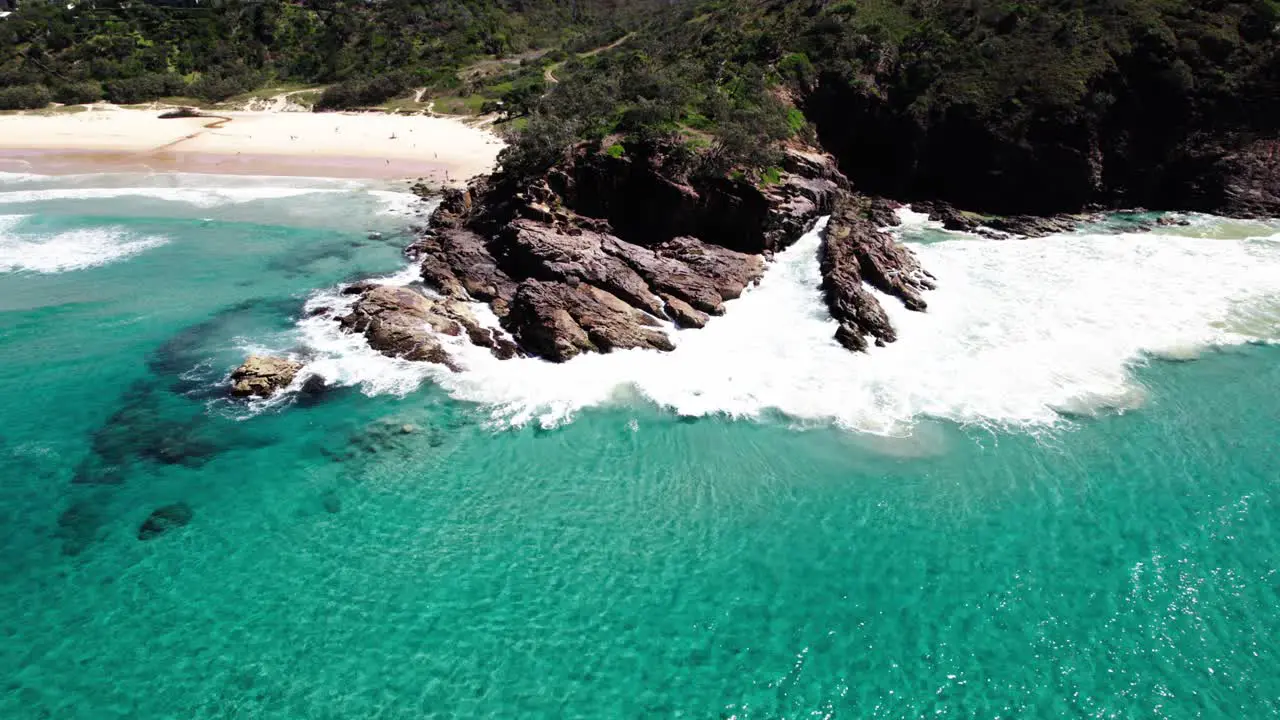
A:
<point x="262" y="376"/>
<point x="331" y="504"/>
<point x="165" y="519"/>
<point x="408" y="429"/>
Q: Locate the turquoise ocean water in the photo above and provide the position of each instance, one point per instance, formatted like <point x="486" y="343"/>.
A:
<point x="1055" y="497"/>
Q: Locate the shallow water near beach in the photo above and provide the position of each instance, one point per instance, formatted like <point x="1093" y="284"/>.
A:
<point x="1054" y="496"/>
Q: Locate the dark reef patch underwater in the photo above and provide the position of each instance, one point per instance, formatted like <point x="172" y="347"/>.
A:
<point x="1031" y="505"/>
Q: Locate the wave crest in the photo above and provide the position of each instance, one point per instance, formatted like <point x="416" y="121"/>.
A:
<point x="65" y="251"/>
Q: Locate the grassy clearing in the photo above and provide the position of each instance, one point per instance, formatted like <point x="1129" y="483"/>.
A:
<point x="455" y="105"/>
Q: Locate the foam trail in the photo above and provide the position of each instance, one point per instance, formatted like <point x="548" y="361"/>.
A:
<point x="1018" y="333"/>
<point x="72" y="250"/>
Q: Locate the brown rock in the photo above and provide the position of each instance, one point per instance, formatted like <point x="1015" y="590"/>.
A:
<point x="539" y="250"/>
<point x="683" y="313"/>
<point x="1249" y="177"/>
<point x="459" y="264"/>
<point x="728" y="271"/>
<point x="669" y="276"/>
<point x="951" y="218"/>
<point x="400" y="322"/>
<point x="262" y="376"/>
<point x="559" y="321"/>
<point x="583" y="258"/>
<point x="856" y="254"/>
<point x="1033" y="226"/>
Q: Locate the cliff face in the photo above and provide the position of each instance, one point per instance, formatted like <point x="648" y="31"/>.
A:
<point x="1176" y="109"/>
<point x="598" y="253"/>
<point x="1057" y="162"/>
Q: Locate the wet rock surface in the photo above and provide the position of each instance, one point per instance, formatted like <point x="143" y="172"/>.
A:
<point x="1030" y="226"/>
<point x="857" y="254"/>
<point x="399" y="322"/>
<point x="599" y="254"/>
<point x="263" y="376"/>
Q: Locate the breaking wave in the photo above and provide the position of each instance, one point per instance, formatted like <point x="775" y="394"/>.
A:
<point x="1018" y="334"/>
<point x="64" y="251"/>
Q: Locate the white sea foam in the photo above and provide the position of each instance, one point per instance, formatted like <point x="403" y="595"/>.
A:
<point x="398" y="203"/>
<point x="202" y="197"/>
<point x="71" y="250"/>
<point x="1018" y="333"/>
<point x="345" y="359"/>
<point x="9" y="222"/>
<point x="911" y="219"/>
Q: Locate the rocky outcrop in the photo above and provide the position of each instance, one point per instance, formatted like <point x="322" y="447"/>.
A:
<point x="614" y="290"/>
<point x="559" y="321"/>
<point x="644" y="197"/>
<point x="402" y="322"/>
<point x="546" y="252"/>
<point x="1030" y="226"/>
<point x="263" y="376"/>
<point x="599" y="253"/>
<point x="457" y="262"/>
<point x="1249" y="178"/>
<point x="684" y="314"/>
<point x="857" y="254"/>
<point x="701" y="275"/>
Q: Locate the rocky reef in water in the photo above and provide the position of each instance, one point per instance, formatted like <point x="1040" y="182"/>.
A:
<point x="597" y="254"/>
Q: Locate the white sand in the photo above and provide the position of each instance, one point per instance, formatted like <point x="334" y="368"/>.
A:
<point x="285" y="143"/>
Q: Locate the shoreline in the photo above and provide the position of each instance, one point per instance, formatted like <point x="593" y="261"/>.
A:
<point x="55" y="162"/>
<point x="378" y="146"/>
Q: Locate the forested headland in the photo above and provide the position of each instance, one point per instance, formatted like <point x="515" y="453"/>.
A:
<point x="1007" y="106"/>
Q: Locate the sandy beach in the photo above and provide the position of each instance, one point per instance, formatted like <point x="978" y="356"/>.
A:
<point x="356" y="145"/>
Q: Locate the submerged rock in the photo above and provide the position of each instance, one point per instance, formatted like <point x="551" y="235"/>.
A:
<point x="1032" y="226"/>
<point x="331" y="503"/>
<point x="164" y="519"/>
<point x="79" y="525"/>
<point x="263" y="376"/>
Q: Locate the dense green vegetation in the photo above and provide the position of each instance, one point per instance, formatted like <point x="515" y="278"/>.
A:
<point x="971" y="99"/>
<point x="129" y="52"/>
<point x="995" y="103"/>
